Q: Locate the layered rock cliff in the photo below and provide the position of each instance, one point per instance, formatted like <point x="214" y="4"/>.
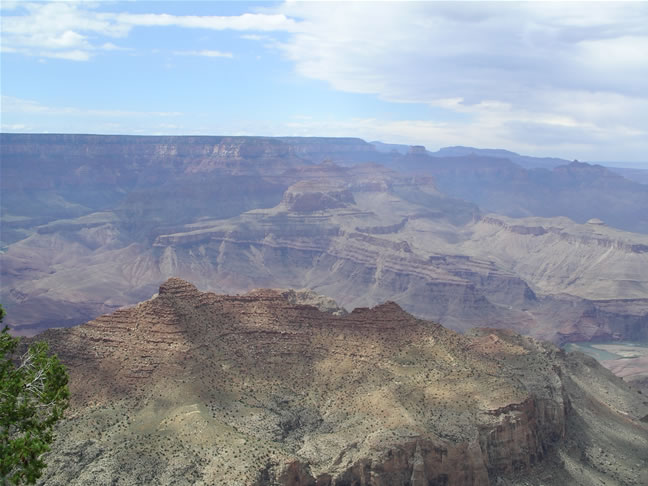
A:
<point x="361" y="235"/>
<point x="92" y="223"/>
<point x="199" y="388"/>
<point x="498" y="184"/>
<point x="557" y="256"/>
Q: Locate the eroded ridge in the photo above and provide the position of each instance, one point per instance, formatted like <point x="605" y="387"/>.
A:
<point x="258" y="389"/>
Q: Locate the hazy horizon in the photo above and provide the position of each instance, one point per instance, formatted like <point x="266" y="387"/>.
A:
<point x="540" y="79"/>
<point x="614" y="164"/>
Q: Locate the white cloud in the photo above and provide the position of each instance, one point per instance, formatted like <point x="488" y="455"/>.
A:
<point x="75" y="55"/>
<point x="502" y="66"/>
<point x="21" y="115"/>
<point x="204" y="53"/>
<point x="423" y="51"/>
<point x="15" y="127"/>
<point x="531" y="76"/>
<point x="255" y="37"/>
<point x="247" y="21"/>
<point x="18" y="106"/>
<point x="109" y="46"/>
<point x="63" y="29"/>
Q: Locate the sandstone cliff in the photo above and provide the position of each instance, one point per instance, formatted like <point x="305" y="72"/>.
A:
<point x="199" y="388"/>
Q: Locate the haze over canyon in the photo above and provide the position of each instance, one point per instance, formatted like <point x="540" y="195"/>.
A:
<point x="465" y="237"/>
<point x="387" y="345"/>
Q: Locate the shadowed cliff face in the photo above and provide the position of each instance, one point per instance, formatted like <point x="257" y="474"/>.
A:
<point x="199" y="388"/>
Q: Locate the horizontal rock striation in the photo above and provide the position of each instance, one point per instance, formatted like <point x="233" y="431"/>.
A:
<point x="383" y="230"/>
<point x="91" y="223"/>
<point x="599" y="240"/>
<point x="609" y="321"/>
<point x="557" y="256"/>
<point x="111" y="159"/>
<point x="306" y="197"/>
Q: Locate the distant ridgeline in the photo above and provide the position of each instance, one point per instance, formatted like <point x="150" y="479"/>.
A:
<point x="496" y="180"/>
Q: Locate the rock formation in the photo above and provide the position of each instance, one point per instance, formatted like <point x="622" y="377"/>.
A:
<point x="93" y="223"/>
<point x="198" y="388"/>
<point x="361" y="235"/>
<point x="494" y="181"/>
<point x="308" y="196"/>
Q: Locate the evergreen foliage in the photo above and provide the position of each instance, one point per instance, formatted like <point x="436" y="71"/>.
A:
<point x="33" y="396"/>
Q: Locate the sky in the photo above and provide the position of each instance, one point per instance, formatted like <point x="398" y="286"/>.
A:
<point x="545" y="79"/>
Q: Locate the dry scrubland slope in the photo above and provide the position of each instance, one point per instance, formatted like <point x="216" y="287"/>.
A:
<point x="199" y="388"/>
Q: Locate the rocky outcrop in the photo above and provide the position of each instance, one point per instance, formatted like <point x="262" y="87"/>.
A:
<point x="355" y="248"/>
<point x="198" y="388"/>
<point x="308" y="297"/>
<point x="383" y="230"/>
<point x="584" y="238"/>
<point x="354" y="268"/>
<point x="417" y="150"/>
<point x="306" y="197"/>
<point x="557" y="256"/>
<point x="609" y="321"/>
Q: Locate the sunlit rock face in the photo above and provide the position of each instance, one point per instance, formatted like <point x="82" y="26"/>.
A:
<point x="259" y="389"/>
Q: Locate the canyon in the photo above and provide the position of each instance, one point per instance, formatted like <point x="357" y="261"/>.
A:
<point x="94" y="223"/>
<point x="192" y="387"/>
<point x="369" y="314"/>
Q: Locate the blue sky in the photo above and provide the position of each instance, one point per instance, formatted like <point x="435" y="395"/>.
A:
<point x="545" y="79"/>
